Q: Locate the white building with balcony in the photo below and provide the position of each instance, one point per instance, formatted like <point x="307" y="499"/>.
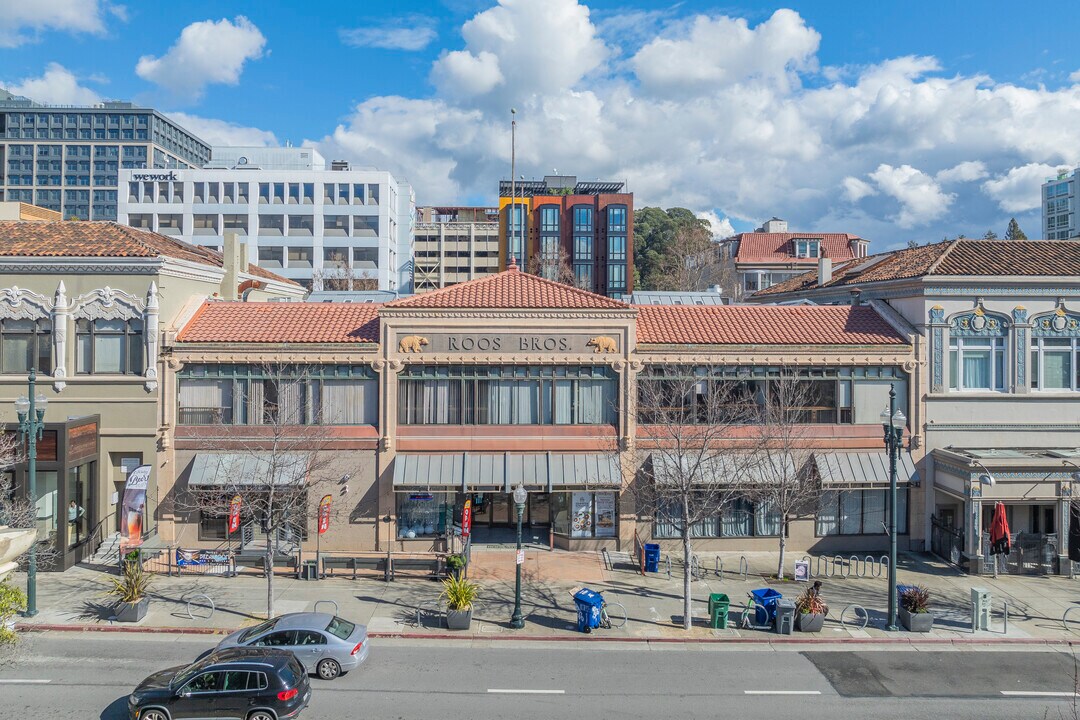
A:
<point x="339" y="229"/>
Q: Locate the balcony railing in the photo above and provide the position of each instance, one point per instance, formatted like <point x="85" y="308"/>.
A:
<point x="206" y="416"/>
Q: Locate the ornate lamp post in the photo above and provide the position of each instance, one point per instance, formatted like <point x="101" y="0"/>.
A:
<point x="31" y="412"/>
<point x="516" y="620"/>
<point x="893" y="422"/>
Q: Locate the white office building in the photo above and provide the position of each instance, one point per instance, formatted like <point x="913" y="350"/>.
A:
<point x="337" y="228"/>
<point x="1059" y="206"/>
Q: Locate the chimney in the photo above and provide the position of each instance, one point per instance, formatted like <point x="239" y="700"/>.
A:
<point x="231" y="263"/>
<point x="855" y="293"/>
<point x="824" y="270"/>
<point x="775" y="225"/>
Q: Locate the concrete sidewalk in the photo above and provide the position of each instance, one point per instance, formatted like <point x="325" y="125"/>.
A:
<point x="76" y="600"/>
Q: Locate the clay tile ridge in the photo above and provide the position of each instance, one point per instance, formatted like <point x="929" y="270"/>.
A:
<point x="510" y="289"/>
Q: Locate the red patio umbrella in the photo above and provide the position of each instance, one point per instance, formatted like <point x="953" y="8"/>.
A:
<point x="999" y="532"/>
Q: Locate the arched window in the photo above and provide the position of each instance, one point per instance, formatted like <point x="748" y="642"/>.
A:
<point x="1055" y="351"/>
<point x="26" y="344"/>
<point x="109" y="346"/>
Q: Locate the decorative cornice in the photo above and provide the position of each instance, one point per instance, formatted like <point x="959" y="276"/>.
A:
<point x="88" y="266"/>
<point x="18" y="303"/>
<point x="1006" y="427"/>
<point x="108" y="304"/>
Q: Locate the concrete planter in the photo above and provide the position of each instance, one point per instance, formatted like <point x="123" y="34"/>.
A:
<point x="131" y="612"/>
<point x="916" y="622"/>
<point x="459" y="619"/>
<point x="810" y="622"/>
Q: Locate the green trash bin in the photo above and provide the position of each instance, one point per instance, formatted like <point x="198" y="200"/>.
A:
<point x="719" y="604"/>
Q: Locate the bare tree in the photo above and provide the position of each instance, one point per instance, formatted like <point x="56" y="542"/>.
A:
<point x="341" y="277"/>
<point x="784" y="486"/>
<point x="278" y="465"/>
<point x="554" y="264"/>
<point x="16" y="510"/>
<point x="693" y="261"/>
<point x="691" y="432"/>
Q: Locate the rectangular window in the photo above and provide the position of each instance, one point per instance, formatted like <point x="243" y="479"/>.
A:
<point x="271" y="257"/>
<point x="583" y="247"/>
<point x="294" y="193"/>
<point x="616" y="218"/>
<point x="549" y="219"/>
<point x="205" y="225"/>
<point x="236" y="223"/>
<point x="335" y="225"/>
<point x="617" y="247"/>
<point x="583" y="219"/>
<point x="616" y="276"/>
<point x="976" y="363"/>
<point x="1055" y="364"/>
<point x="301" y="225"/>
<point x="860" y="512"/>
<point x="365" y="226"/>
<point x="807" y="248"/>
<point x="25" y="344"/>
<point x="272" y="225"/>
<point x="109" y="347"/>
<point x="299" y="257"/>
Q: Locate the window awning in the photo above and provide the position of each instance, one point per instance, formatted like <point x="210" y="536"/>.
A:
<point x="724" y="468"/>
<point x="223" y="470"/>
<point x="501" y="472"/>
<point x="863" y="469"/>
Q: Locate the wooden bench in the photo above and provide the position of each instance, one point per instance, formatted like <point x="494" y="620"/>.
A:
<point x="258" y="562"/>
<point x="432" y="566"/>
<point x="377" y="564"/>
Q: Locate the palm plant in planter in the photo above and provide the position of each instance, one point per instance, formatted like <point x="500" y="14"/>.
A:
<point x="130" y="590"/>
<point x="460" y="595"/>
<point x="810" y="611"/>
<point x="914" y="608"/>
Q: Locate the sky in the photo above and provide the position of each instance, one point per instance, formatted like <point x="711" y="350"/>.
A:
<point x="896" y="121"/>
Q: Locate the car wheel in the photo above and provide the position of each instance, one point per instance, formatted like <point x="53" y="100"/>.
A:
<point x="154" y="714"/>
<point x="328" y="669"/>
<point x="261" y="715"/>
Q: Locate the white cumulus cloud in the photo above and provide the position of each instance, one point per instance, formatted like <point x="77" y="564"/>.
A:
<point x="721" y="226"/>
<point x="1020" y="188"/>
<point x="57" y="85"/>
<point x="856" y="189"/>
<point x="221" y="132"/>
<point x="206" y="53"/>
<point x="920" y="197"/>
<point x="467" y="74"/>
<point x="412" y="32"/>
<point x="22" y="21"/>
<point x="967" y="171"/>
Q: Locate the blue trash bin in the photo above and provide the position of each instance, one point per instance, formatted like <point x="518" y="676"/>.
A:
<point x="588" y="605"/>
<point x="765" y="605"/>
<point x="652" y="557"/>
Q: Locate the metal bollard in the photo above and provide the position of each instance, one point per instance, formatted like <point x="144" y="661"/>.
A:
<point x="1006" y="617"/>
<point x="974" y="619"/>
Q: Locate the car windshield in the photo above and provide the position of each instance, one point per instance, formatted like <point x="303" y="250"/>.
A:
<point x="257" y="630"/>
<point x="341" y="628"/>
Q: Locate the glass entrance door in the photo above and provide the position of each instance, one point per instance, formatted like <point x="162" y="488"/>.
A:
<point x="501" y="509"/>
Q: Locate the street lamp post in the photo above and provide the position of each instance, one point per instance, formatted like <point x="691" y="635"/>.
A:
<point x="516" y="620"/>
<point x="510" y="234"/>
<point x="31" y="413"/>
<point x="893" y="422"/>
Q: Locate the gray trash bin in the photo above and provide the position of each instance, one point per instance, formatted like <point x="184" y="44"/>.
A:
<point x="309" y="570"/>
<point x="785" y="616"/>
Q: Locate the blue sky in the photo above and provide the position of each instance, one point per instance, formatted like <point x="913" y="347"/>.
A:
<point x="905" y="120"/>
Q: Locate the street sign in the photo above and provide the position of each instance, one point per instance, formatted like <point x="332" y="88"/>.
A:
<point x="234" y="513"/>
<point x="466" y="519"/>
<point x="520" y="557"/>
<point x="324" y="514"/>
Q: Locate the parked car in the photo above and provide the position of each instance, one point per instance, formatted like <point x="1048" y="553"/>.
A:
<point x="245" y="683"/>
<point x="327" y="645"/>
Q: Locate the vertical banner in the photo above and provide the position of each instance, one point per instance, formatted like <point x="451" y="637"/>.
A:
<point x="581" y="515"/>
<point x="234" y="513"/>
<point x="605" y="514"/>
<point x="466" y="519"/>
<point x="134" y="509"/>
<point x="324" y="514"/>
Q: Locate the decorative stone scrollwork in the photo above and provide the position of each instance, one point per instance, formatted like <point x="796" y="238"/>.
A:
<point x="60" y="320"/>
<point x="150" y="336"/>
<point x="108" y="304"/>
<point x="21" y="304"/>
<point x="978" y="322"/>
<point x="1060" y="323"/>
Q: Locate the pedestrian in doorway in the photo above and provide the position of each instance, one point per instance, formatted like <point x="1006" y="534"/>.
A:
<point x="75" y="515"/>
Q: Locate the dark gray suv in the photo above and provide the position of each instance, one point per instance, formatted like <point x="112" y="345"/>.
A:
<point x="241" y="683"/>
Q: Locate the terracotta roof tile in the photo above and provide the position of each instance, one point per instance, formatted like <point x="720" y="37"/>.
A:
<point x="776" y="247"/>
<point x="764" y="325"/>
<point x="105" y="239"/>
<point x="283" y="322"/>
<point x="510" y="289"/>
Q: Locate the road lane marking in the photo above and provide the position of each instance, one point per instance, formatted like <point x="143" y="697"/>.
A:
<point x="781" y="692"/>
<point x="1035" y="693"/>
<point x="512" y="691"/>
<point x="24" y="681"/>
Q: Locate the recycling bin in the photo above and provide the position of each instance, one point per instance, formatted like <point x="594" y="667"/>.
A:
<point x="765" y="605"/>
<point x="588" y="605"/>
<point x="719" y="605"/>
<point x="652" y="557"/>
<point x="785" y="616"/>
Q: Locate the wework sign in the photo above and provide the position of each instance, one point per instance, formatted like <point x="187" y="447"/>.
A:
<point x="154" y="176"/>
<point x="509" y="343"/>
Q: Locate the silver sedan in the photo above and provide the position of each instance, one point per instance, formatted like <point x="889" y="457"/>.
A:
<point x="328" y="646"/>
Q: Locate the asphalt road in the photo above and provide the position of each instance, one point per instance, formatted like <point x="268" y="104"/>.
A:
<point x="89" y="676"/>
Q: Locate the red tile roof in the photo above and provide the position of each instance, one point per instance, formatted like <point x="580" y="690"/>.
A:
<point x="510" y="289"/>
<point x="1027" y="258"/>
<point x="759" y="247"/>
<point x="283" y="322"/>
<point x="764" y="325"/>
<point x="105" y="239"/>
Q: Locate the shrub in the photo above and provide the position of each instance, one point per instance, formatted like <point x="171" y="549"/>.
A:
<point x="133" y="583"/>
<point x="915" y="599"/>
<point x="12" y="601"/>
<point x="455" y="563"/>
<point x="810" y="603"/>
<point x="460" y="593"/>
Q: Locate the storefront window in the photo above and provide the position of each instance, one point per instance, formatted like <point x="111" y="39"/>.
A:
<point x="424" y="514"/>
<point x="859" y="512"/>
<point x="738" y="518"/>
<point x="79" y="481"/>
<point x="48" y="490"/>
<point x="584" y="514"/>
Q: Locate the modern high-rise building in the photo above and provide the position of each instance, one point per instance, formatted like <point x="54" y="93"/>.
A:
<point x="580" y="233"/>
<point x="454" y="244"/>
<point x="1059" y="206"/>
<point x="67" y="158"/>
<point x="332" y="229"/>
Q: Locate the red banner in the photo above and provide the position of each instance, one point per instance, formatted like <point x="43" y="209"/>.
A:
<point x="324" y="514"/>
<point x="466" y="519"/>
<point x="234" y="513"/>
